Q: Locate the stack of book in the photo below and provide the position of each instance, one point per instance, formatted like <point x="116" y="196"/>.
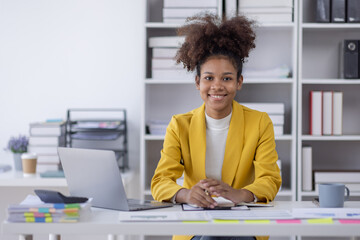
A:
<point x="33" y="210"/>
<point x="276" y="112"/>
<point x="350" y="178"/>
<point x="157" y="127"/>
<point x="265" y="11"/>
<point x="44" y="139"/>
<point x="163" y="64"/>
<point x="326" y="111"/>
<point x="176" y="11"/>
<point x="282" y="71"/>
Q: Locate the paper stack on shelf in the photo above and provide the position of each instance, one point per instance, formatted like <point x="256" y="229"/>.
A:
<point x="32" y="209"/>
<point x="176" y="11"/>
<point x="44" y="139"/>
<point x="278" y="72"/>
<point x="157" y="127"/>
<point x="276" y="112"/>
<point x="163" y="64"/>
<point x="264" y="11"/>
<point x="326" y="113"/>
<point x="350" y="178"/>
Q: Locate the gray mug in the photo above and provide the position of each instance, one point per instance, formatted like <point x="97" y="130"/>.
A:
<point x="331" y="195"/>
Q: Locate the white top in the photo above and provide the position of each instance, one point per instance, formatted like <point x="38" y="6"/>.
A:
<point x="216" y="134"/>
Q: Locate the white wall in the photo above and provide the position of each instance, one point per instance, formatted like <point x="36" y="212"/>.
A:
<point x="60" y="54"/>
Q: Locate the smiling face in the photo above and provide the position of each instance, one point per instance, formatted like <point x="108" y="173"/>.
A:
<point x="218" y="84"/>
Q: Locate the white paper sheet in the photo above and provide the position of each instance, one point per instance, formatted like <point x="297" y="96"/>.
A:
<point x="337" y="213"/>
<point x="155" y="216"/>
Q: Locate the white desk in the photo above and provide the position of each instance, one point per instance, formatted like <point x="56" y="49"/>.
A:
<point x="105" y="222"/>
<point x="14" y="188"/>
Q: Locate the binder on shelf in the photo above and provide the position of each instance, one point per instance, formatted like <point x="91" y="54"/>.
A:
<point x="306" y="168"/>
<point x="316" y="113"/>
<point x="350" y="59"/>
<point x="353" y="11"/>
<point x="338" y="11"/>
<point x="337" y="113"/>
<point x="323" y="11"/>
<point x="327" y="114"/>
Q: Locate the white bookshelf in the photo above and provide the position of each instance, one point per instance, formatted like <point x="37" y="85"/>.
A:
<point x="276" y="45"/>
<point x="319" y="46"/>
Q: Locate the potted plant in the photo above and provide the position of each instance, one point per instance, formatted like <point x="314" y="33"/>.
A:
<point x="18" y="145"/>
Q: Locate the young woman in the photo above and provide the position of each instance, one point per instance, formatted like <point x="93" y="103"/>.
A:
<point x="223" y="148"/>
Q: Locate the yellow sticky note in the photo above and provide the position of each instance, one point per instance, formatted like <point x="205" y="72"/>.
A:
<point x="225" y="221"/>
<point x="320" y="220"/>
<point x="195" y="221"/>
<point x="257" y="221"/>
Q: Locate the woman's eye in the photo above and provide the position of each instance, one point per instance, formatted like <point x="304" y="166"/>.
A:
<point x="208" y="78"/>
<point x="227" y="79"/>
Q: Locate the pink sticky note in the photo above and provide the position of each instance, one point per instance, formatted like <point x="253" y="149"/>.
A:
<point x="295" y="221"/>
<point x="349" y="221"/>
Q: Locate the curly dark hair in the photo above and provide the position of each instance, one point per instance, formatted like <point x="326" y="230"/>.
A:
<point x="207" y="35"/>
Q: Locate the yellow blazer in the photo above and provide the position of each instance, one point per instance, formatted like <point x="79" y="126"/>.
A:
<point x="249" y="160"/>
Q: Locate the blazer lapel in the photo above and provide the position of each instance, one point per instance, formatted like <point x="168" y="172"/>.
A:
<point x="234" y="144"/>
<point x="197" y="142"/>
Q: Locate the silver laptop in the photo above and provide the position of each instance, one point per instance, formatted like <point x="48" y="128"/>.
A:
<point x="95" y="174"/>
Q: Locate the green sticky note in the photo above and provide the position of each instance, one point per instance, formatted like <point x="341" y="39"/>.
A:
<point x="195" y="221"/>
<point x="320" y="220"/>
<point x="257" y="221"/>
<point x="225" y="221"/>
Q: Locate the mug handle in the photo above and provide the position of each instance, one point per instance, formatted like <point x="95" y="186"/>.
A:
<point x="347" y="193"/>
